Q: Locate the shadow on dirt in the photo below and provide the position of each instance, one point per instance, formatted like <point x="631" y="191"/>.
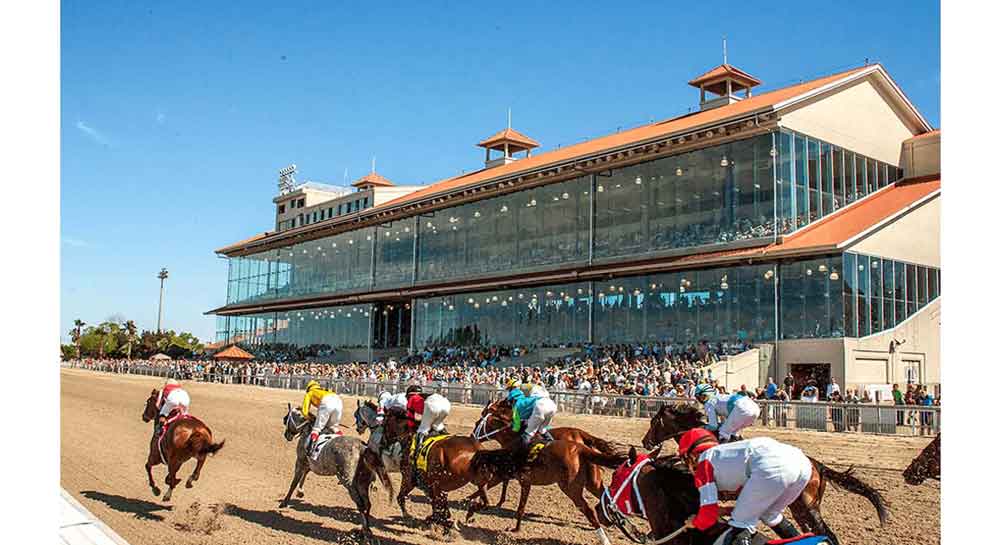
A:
<point x="141" y="509"/>
<point x="275" y="520"/>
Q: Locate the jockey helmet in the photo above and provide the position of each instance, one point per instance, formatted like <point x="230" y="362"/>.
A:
<point x="695" y="441"/>
<point x="704" y="390"/>
<point x="172" y="382"/>
<point x="526" y="387"/>
<point x="311" y="384"/>
<point x="415" y="389"/>
<point x="383" y="397"/>
<point x="512" y="383"/>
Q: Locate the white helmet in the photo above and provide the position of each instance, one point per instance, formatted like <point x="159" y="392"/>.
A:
<point x="172" y="382"/>
<point x="383" y="397"/>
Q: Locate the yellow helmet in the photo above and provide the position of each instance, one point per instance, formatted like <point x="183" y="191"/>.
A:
<point x="512" y="383"/>
<point x="311" y="384"/>
<point x="526" y="387"/>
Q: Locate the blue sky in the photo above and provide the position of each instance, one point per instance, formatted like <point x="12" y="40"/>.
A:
<point x="175" y="119"/>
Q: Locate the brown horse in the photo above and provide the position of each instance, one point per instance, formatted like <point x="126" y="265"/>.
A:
<point x="669" y="497"/>
<point x="184" y="438"/>
<point x="495" y="423"/>
<point x="672" y="420"/>
<point x="927" y="464"/>
<point x="449" y="467"/>
<point x="568" y="461"/>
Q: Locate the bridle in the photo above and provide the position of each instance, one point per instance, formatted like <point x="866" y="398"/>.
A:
<point x="480" y="434"/>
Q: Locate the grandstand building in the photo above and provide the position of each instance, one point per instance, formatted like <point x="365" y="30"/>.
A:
<point x="804" y="220"/>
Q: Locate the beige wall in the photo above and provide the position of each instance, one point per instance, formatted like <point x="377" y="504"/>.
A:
<point x="921" y="156"/>
<point x="922" y="333"/>
<point x="386" y="194"/>
<point x="915" y="237"/>
<point x="741" y="369"/>
<point x="858" y="118"/>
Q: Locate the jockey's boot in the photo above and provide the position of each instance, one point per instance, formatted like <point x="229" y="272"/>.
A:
<point x="785" y="529"/>
<point x="739" y="536"/>
<point x="417" y="444"/>
<point x="547" y="437"/>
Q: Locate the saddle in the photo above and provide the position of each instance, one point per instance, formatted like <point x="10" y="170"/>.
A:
<point x="321" y="442"/>
<point x="424" y="448"/>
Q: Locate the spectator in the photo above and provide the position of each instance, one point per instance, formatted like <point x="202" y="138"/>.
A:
<point x="832" y="388"/>
<point x="771" y="389"/>
<point x="897" y="399"/>
<point x="790" y="384"/>
<point x="810" y="394"/>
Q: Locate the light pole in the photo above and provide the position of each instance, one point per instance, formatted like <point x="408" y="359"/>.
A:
<point x="159" y="318"/>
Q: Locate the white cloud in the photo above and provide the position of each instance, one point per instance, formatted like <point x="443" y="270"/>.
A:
<point x="93" y="133"/>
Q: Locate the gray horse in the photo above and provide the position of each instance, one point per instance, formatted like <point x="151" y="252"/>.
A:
<point x="343" y="456"/>
<point x="366" y="418"/>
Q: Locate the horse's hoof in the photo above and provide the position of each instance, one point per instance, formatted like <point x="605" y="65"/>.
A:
<point x="188" y="485"/>
<point x="300" y="494"/>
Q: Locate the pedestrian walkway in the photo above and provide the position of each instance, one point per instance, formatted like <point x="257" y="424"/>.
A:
<point x="77" y="526"/>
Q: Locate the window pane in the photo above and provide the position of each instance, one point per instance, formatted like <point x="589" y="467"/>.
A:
<point x="872" y="175"/>
<point x="837" y="169"/>
<point x="932" y="284"/>
<point x="861" y="179"/>
<point x="888" y="294"/>
<point x="826" y="167"/>
<point x="864" y="313"/>
<point x="875" y="298"/>
<point x="911" y="289"/>
<point x="921" y="287"/>
<point x="785" y="184"/>
<point x="815" y="198"/>
<point x="850" y="295"/>
<point x="801" y="182"/>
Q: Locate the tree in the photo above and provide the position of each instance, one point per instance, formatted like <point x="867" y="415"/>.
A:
<point x="130" y="337"/>
<point x="75" y="334"/>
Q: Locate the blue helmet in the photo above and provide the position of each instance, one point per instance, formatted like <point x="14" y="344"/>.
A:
<point x="704" y="390"/>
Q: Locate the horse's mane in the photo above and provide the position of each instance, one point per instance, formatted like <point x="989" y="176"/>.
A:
<point x="370" y="404"/>
<point x="684" y="410"/>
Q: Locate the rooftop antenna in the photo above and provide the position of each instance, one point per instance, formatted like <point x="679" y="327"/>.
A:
<point x="725" y="57"/>
<point x="345" y="176"/>
<point x="508" y="117"/>
<point x="373" y="164"/>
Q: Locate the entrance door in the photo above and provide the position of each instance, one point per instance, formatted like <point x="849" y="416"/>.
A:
<point x="911" y="370"/>
<point x="391" y="325"/>
<point x="815" y="374"/>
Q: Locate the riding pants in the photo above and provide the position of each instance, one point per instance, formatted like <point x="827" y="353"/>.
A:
<point x="540" y="417"/>
<point x="175" y="399"/>
<point x="778" y="475"/>
<point x="743" y="415"/>
<point x="436" y="410"/>
<point x="329" y="411"/>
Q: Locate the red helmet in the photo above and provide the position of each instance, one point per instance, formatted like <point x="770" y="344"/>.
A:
<point x="697" y="440"/>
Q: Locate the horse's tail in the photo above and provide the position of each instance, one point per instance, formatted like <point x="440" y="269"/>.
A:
<point x="608" y="448"/>
<point x="595" y="456"/>
<point x="849" y="482"/>
<point x="201" y="443"/>
<point x="503" y="463"/>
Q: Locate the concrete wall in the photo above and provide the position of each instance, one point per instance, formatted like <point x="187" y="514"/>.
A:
<point x="914" y="237"/>
<point x="921" y="156"/>
<point x="859" y="118"/>
<point x="868" y="358"/>
<point x="386" y="194"/>
<point x="741" y="369"/>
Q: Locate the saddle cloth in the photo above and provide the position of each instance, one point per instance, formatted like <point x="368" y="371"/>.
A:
<point x="624" y="493"/>
<point x="174" y="416"/>
<point x="535" y="449"/>
<point x="321" y="442"/>
<point x="425" y="448"/>
<point x="804" y="539"/>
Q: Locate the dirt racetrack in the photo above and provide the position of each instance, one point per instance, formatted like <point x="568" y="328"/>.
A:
<point x="104" y="447"/>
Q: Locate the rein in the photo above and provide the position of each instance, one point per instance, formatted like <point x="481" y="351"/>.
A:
<point x="479" y="433"/>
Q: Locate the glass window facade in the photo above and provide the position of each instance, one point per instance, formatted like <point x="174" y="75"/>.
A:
<point x="885" y="292"/>
<point x="314" y="332"/>
<point x="812" y="305"/>
<point x="816" y="178"/>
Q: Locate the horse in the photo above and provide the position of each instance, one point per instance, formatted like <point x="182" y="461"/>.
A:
<point x="366" y="418"/>
<point x="451" y="464"/>
<point x="669" y="497"/>
<point x="927" y="464"/>
<point x="672" y="420"/>
<point x="183" y="439"/>
<point x="495" y="422"/>
<point x="342" y="457"/>
<point x="567" y="461"/>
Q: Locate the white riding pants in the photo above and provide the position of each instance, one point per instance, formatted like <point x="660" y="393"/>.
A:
<point x="541" y="417"/>
<point x="436" y="409"/>
<point x="329" y="411"/>
<point x="778" y="475"/>
<point x="176" y="398"/>
<point x="744" y="413"/>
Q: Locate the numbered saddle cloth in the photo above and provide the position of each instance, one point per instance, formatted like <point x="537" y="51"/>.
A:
<point x="321" y="442"/>
<point x="425" y="448"/>
<point x="535" y="449"/>
<point x="624" y="492"/>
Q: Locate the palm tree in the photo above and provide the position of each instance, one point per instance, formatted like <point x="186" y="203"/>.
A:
<point x="75" y="334"/>
<point x="130" y="337"/>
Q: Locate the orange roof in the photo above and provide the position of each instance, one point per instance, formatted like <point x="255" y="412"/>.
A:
<point x="723" y="71"/>
<point x="233" y="353"/>
<point x="509" y="135"/>
<point x="242" y="242"/>
<point x="839" y="228"/>
<point x="631" y="136"/>
<point x="373" y="178"/>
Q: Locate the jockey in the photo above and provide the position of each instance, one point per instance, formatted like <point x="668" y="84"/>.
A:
<point x="514" y="390"/>
<point x="739" y="411"/>
<point x="534" y="410"/>
<point x="390" y="402"/>
<point x="328" y="405"/>
<point x="172" y="397"/>
<point x="768" y="475"/>
<point x="433" y="409"/>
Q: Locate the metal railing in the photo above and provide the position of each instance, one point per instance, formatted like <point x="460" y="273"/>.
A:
<point x="883" y="419"/>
